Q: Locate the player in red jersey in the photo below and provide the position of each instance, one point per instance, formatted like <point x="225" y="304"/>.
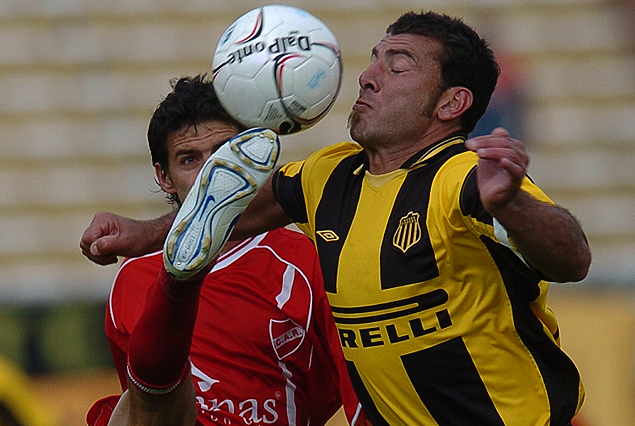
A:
<point x="260" y="352"/>
<point x="251" y="341"/>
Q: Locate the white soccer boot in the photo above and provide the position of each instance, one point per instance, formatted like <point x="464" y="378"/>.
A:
<point x="230" y="178"/>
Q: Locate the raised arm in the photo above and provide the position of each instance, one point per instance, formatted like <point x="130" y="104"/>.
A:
<point x="549" y="237"/>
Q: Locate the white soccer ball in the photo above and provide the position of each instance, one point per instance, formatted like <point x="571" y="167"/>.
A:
<point x="277" y="67"/>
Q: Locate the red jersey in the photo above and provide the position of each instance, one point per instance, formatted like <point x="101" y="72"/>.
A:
<point x="265" y="349"/>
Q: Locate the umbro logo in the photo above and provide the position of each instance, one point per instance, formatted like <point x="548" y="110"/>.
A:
<point x="328" y="235"/>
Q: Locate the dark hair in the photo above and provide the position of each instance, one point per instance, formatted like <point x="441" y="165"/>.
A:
<point x="466" y="59"/>
<point x="192" y="101"/>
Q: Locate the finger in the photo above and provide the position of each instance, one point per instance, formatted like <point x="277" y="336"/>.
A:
<point x="505" y="148"/>
<point x="98" y="227"/>
<point x="500" y="131"/>
<point x="104" y="249"/>
<point x="104" y="246"/>
<point x="498" y="137"/>
<point x="499" y="153"/>
<point x="84" y="245"/>
<point x="486" y="141"/>
<point x="515" y="169"/>
<point x="100" y="260"/>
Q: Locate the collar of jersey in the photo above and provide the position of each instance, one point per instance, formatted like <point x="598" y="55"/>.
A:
<point x="238" y="251"/>
<point x="419" y="159"/>
<point x="424" y="156"/>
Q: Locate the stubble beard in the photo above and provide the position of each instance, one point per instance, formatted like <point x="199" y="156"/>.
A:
<point x="356" y="126"/>
<point x="357" y="129"/>
<point x="353" y="119"/>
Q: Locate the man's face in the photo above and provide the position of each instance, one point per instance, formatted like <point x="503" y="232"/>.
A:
<point x="188" y="149"/>
<point x="398" y="91"/>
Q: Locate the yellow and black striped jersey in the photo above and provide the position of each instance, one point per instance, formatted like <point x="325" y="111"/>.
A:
<point x="441" y="321"/>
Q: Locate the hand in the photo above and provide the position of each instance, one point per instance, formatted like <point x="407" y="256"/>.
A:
<point x="110" y="235"/>
<point x="501" y="168"/>
<point x="549" y="237"/>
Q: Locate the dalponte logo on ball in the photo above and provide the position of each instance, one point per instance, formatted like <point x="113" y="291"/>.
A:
<point x="293" y="42"/>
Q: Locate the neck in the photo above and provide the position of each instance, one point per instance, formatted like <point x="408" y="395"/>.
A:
<point x="389" y="157"/>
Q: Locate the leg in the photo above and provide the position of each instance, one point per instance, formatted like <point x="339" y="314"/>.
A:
<point x="177" y="408"/>
<point x="229" y="179"/>
<point x="160" y="390"/>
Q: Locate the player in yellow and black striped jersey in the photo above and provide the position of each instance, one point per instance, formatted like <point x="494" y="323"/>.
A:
<point x="440" y="320"/>
<point x="435" y="250"/>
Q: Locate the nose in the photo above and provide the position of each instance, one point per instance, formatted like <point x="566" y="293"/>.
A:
<point x="368" y="78"/>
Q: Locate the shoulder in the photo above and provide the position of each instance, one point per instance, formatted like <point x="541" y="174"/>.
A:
<point x="462" y="168"/>
<point x="131" y="284"/>
<point x="342" y="149"/>
<point x="459" y="164"/>
<point x="293" y="249"/>
<point x="140" y="268"/>
<point x="332" y="154"/>
<point x="456" y="175"/>
<point x="290" y="242"/>
<point x="288" y="236"/>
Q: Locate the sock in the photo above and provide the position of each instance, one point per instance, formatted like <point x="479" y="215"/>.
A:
<point x="159" y="348"/>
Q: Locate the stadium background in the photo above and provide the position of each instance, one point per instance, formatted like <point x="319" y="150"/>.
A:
<point x="80" y="78"/>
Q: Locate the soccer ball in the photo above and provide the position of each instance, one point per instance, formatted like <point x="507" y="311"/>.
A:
<point x="277" y="67"/>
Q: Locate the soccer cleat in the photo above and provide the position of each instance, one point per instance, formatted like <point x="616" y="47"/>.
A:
<point x="225" y="185"/>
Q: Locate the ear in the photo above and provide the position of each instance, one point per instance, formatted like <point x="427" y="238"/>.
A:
<point x="163" y="178"/>
<point x="454" y="102"/>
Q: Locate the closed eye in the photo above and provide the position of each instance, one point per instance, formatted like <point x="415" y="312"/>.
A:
<point x="400" y="62"/>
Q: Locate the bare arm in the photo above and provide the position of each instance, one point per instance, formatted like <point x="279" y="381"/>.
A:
<point x="262" y="214"/>
<point x="110" y="235"/>
<point x="548" y="236"/>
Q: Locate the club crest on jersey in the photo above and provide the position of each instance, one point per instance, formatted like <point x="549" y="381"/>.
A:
<point x="286" y="336"/>
<point x="408" y="232"/>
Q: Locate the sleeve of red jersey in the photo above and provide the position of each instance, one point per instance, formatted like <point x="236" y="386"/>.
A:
<point x="124" y="307"/>
<point x="125" y="303"/>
